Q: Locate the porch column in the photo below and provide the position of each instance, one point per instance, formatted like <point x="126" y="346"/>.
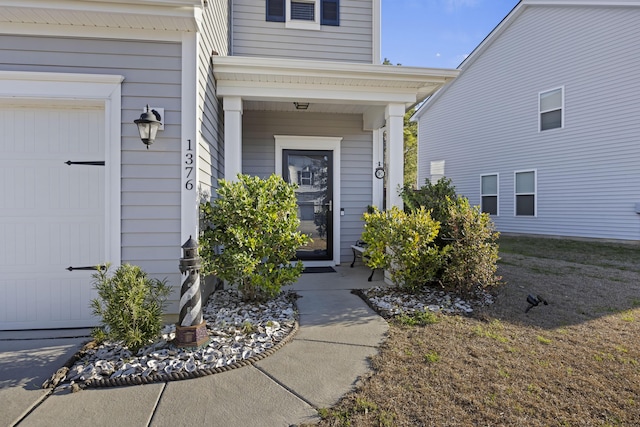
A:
<point x="394" y="115"/>
<point x="378" y="160"/>
<point x="232" y="137"/>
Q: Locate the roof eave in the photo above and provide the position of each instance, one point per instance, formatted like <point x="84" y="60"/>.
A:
<point x="170" y="15"/>
<point x="422" y="81"/>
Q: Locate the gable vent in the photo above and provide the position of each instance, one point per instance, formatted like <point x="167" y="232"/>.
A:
<point x="303" y="11"/>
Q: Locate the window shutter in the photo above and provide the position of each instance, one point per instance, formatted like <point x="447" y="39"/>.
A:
<point x="275" y="10"/>
<point x="330" y="12"/>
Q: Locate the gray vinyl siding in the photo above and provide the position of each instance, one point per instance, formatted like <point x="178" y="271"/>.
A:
<point x="352" y="41"/>
<point x="214" y="37"/>
<point x="588" y="178"/>
<point x="258" y="158"/>
<point x="150" y="178"/>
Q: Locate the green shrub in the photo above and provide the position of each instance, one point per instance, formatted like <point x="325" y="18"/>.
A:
<point x="434" y="198"/>
<point x="472" y="253"/>
<point x="467" y="239"/>
<point x="255" y="223"/>
<point x="402" y="243"/>
<point x="130" y="305"/>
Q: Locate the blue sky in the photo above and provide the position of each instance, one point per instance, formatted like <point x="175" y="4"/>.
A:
<point x="437" y="33"/>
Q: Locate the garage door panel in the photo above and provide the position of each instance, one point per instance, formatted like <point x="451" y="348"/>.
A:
<point x="50" y="246"/>
<point x="31" y="189"/>
<point x="43" y="302"/>
<point x="51" y="215"/>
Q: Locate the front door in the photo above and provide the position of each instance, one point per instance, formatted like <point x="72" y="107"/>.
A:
<point x="312" y="171"/>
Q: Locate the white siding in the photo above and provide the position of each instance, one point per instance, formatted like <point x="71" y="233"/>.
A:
<point x="487" y="121"/>
<point x="352" y="41"/>
<point x="150" y="178"/>
<point x="258" y="158"/>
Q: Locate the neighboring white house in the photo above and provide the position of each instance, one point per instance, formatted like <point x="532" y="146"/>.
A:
<point x="251" y="86"/>
<point x="542" y="126"/>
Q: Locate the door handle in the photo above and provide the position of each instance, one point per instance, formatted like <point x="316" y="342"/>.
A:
<point x="95" y="267"/>
<point x="330" y="205"/>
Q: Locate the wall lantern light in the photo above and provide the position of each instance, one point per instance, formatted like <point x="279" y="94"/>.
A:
<point x="148" y="125"/>
<point x="301" y="105"/>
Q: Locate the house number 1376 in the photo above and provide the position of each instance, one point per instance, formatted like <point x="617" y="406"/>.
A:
<point x="189" y="165"/>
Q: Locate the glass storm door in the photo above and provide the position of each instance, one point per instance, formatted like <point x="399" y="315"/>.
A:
<point x="312" y="171"/>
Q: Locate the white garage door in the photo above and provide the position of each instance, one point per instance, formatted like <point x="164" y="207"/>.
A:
<point x="51" y="214"/>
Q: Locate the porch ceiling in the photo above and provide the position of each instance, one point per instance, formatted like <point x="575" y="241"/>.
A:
<point x="337" y="87"/>
<point x="168" y="15"/>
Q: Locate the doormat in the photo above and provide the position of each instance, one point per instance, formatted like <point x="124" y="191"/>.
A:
<point x="319" y="270"/>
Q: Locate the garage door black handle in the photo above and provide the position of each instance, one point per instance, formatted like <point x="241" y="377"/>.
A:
<point x="95" y="267"/>
<point x="90" y="163"/>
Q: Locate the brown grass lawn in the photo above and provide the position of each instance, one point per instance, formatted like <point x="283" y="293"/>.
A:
<point x="574" y="362"/>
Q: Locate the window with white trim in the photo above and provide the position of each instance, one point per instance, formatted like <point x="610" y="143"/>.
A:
<point x="436" y="170"/>
<point x="551" y="108"/>
<point x="304" y="14"/>
<point x="489" y="194"/>
<point x="525" y="193"/>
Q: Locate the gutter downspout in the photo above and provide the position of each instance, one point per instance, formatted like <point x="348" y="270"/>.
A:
<point x="230" y="23"/>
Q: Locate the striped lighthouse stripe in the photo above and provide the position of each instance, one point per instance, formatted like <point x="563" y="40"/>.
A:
<point x="190" y="301"/>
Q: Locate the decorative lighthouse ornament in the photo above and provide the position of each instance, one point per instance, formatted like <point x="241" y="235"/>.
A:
<point x="191" y="330"/>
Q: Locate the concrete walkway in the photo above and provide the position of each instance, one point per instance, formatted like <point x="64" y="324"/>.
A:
<point x="338" y="333"/>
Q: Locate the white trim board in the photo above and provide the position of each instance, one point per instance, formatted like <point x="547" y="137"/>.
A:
<point x="190" y="144"/>
<point x="28" y="29"/>
<point x="83" y="89"/>
<point x="292" y="142"/>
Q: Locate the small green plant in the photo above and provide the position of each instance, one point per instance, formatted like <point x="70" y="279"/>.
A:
<point x="324" y="413"/>
<point x="491" y="331"/>
<point x="601" y="357"/>
<point x="491" y="398"/>
<point x="365" y="406"/>
<point x="628" y="316"/>
<point x="248" y="327"/>
<point x="543" y="340"/>
<point x="130" y="305"/>
<point x="533" y="389"/>
<point x="432" y="357"/>
<point x="419" y="318"/>
<point x="340" y="418"/>
<point x="621" y="349"/>
<point x="255" y="222"/>
<point x="99" y="335"/>
<point x="386" y="419"/>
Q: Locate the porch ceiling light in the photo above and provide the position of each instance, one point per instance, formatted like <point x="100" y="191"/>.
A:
<point x="301" y="105"/>
<point x="148" y="125"/>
